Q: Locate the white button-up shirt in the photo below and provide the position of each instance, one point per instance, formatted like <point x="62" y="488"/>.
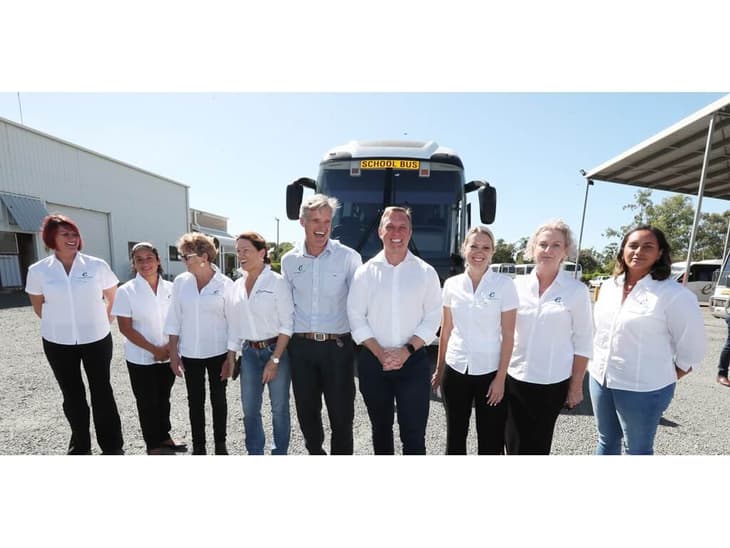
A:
<point x="266" y="313"/>
<point x="74" y="311"/>
<point x="148" y="311"/>
<point x="637" y="344"/>
<point x="550" y="330"/>
<point x="475" y="342"/>
<point x="393" y="303"/>
<point x="199" y="318"/>
<point x="319" y="286"/>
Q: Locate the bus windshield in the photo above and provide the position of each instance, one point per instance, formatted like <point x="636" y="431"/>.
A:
<point x="432" y="200"/>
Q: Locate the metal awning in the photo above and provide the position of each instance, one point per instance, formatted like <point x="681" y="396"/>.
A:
<point x="224" y="239"/>
<point x="28" y="212"/>
<point x="690" y="157"/>
<point x="672" y="159"/>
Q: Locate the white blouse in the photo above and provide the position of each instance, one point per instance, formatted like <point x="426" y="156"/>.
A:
<point x="264" y="314"/>
<point x="74" y="310"/>
<point x="550" y="330"/>
<point x="148" y="311"/>
<point x="199" y="318"/>
<point x="638" y="343"/>
<point x="476" y="338"/>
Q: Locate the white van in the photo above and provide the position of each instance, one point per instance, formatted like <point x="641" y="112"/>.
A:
<point x="523" y="269"/>
<point x="569" y="266"/>
<point x="701" y="277"/>
<point x="503" y="268"/>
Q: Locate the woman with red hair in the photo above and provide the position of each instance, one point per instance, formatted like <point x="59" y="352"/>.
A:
<point x="72" y="293"/>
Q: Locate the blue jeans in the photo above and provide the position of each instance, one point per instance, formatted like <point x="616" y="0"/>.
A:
<point x="253" y="362"/>
<point x="633" y="416"/>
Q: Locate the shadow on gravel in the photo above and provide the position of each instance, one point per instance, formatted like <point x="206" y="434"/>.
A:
<point x="13" y="299"/>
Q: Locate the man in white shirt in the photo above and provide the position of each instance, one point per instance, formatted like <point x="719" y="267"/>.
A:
<point x="394" y="309"/>
<point x="319" y="272"/>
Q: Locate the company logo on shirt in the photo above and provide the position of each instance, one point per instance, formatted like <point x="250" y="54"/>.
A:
<point x="300" y="268"/>
<point x="492" y="294"/>
<point x="558" y="300"/>
<point x="84" y="274"/>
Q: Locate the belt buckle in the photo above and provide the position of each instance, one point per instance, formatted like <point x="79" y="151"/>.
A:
<point x="320" y="337"/>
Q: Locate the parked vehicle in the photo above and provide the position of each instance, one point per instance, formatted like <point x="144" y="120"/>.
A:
<point x="569" y="266"/>
<point x="702" y="276"/>
<point x="598" y="280"/>
<point x="504" y="268"/>
<point x="523" y="269"/>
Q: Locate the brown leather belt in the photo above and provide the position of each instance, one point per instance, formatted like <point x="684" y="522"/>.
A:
<point x="260" y="345"/>
<point x="321" y="337"/>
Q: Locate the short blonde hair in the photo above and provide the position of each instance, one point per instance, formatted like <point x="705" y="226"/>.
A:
<point x="478" y="229"/>
<point x="199" y="243"/>
<point x="315" y="202"/>
<point x="553" y="224"/>
<point x="388" y="212"/>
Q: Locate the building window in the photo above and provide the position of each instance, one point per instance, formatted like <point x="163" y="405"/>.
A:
<point x="174" y="255"/>
<point x="8" y="243"/>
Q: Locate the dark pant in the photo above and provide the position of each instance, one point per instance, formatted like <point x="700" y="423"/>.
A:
<point x="461" y="392"/>
<point x="409" y="388"/>
<point x="152" y="385"/>
<point x="532" y="410"/>
<point x="324" y="368"/>
<point x="65" y="360"/>
<point x="195" y="383"/>
<point x="722" y="366"/>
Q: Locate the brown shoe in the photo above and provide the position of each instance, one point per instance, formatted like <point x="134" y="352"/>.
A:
<point x="723" y="380"/>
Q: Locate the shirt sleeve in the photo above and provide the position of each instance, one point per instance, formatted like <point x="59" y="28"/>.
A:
<point x="108" y="278"/>
<point x="233" y="320"/>
<point x="174" y="314"/>
<point x="426" y="330"/>
<point x="686" y="330"/>
<point x="34" y="282"/>
<point x="582" y="323"/>
<point x="354" y="262"/>
<point x="510" y="300"/>
<point x="284" y="307"/>
<point x="122" y="305"/>
<point x="357" y="306"/>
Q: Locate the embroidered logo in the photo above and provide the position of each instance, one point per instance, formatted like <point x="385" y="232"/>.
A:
<point x="558" y="300"/>
<point x="300" y="268"/>
<point x="491" y="294"/>
<point x="84" y="274"/>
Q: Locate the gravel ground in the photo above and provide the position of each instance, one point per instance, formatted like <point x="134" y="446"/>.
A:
<point x="32" y="420"/>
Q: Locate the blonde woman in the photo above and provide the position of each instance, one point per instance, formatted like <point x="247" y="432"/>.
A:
<point x="198" y="331"/>
<point x="475" y="345"/>
<point x="553" y="343"/>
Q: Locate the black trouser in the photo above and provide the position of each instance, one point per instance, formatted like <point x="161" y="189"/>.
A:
<point x="532" y="410"/>
<point x="65" y="360"/>
<point x="409" y="388"/>
<point x="461" y="392"/>
<point x="324" y="368"/>
<point x="195" y="382"/>
<point x="152" y="385"/>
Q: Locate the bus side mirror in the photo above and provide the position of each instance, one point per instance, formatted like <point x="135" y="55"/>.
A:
<point x="487" y="195"/>
<point x="294" y="192"/>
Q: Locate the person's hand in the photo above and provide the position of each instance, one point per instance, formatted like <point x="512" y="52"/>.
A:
<point x="495" y="394"/>
<point x="395" y="358"/>
<point x="681" y="372"/>
<point x="436" y="378"/>
<point x="161" y="353"/>
<point x="176" y="365"/>
<point x="575" y="396"/>
<point x="227" y="369"/>
<point x="270" y="371"/>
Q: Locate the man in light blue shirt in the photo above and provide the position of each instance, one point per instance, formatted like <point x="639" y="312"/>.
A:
<point x="319" y="272"/>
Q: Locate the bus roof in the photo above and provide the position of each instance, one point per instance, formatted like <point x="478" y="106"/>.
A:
<point x="422" y="150"/>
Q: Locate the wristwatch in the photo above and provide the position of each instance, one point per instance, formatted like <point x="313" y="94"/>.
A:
<point x="275" y="360"/>
<point x="411" y="349"/>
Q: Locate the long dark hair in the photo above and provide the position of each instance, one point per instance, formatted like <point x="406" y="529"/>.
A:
<point x="662" y="268"/>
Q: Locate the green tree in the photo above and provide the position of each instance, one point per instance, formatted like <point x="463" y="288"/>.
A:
<point x="503" y="252"/>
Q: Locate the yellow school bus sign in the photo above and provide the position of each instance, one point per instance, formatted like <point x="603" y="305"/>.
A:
<point x="390" y="163"/>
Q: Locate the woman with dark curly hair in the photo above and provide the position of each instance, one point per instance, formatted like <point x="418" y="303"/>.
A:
<point x="648" y="334"/>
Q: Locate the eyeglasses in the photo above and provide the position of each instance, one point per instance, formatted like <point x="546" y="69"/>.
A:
<point x="188" y="256"/>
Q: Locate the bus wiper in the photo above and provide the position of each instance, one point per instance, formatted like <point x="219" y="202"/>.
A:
<point x="367" y="232"/>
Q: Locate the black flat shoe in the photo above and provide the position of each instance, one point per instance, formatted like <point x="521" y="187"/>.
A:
<point x="176" y="447"/>
<point x="163" y="450"/>
<point x="220" y="449"/>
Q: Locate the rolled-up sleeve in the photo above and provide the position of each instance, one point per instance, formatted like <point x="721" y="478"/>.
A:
<point x="174" y="314"/>
<point x="34" y="283"/>
<point x="432" y="303"/>
<point x="687" y="331"/>
<point x="357" y="306"/>
<point x="284" y="307"/>
<point x="582" y="324"/>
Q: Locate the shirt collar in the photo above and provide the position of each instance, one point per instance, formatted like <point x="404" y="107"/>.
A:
<point x="380" y="258"/>
<point x="302" y="249"/>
